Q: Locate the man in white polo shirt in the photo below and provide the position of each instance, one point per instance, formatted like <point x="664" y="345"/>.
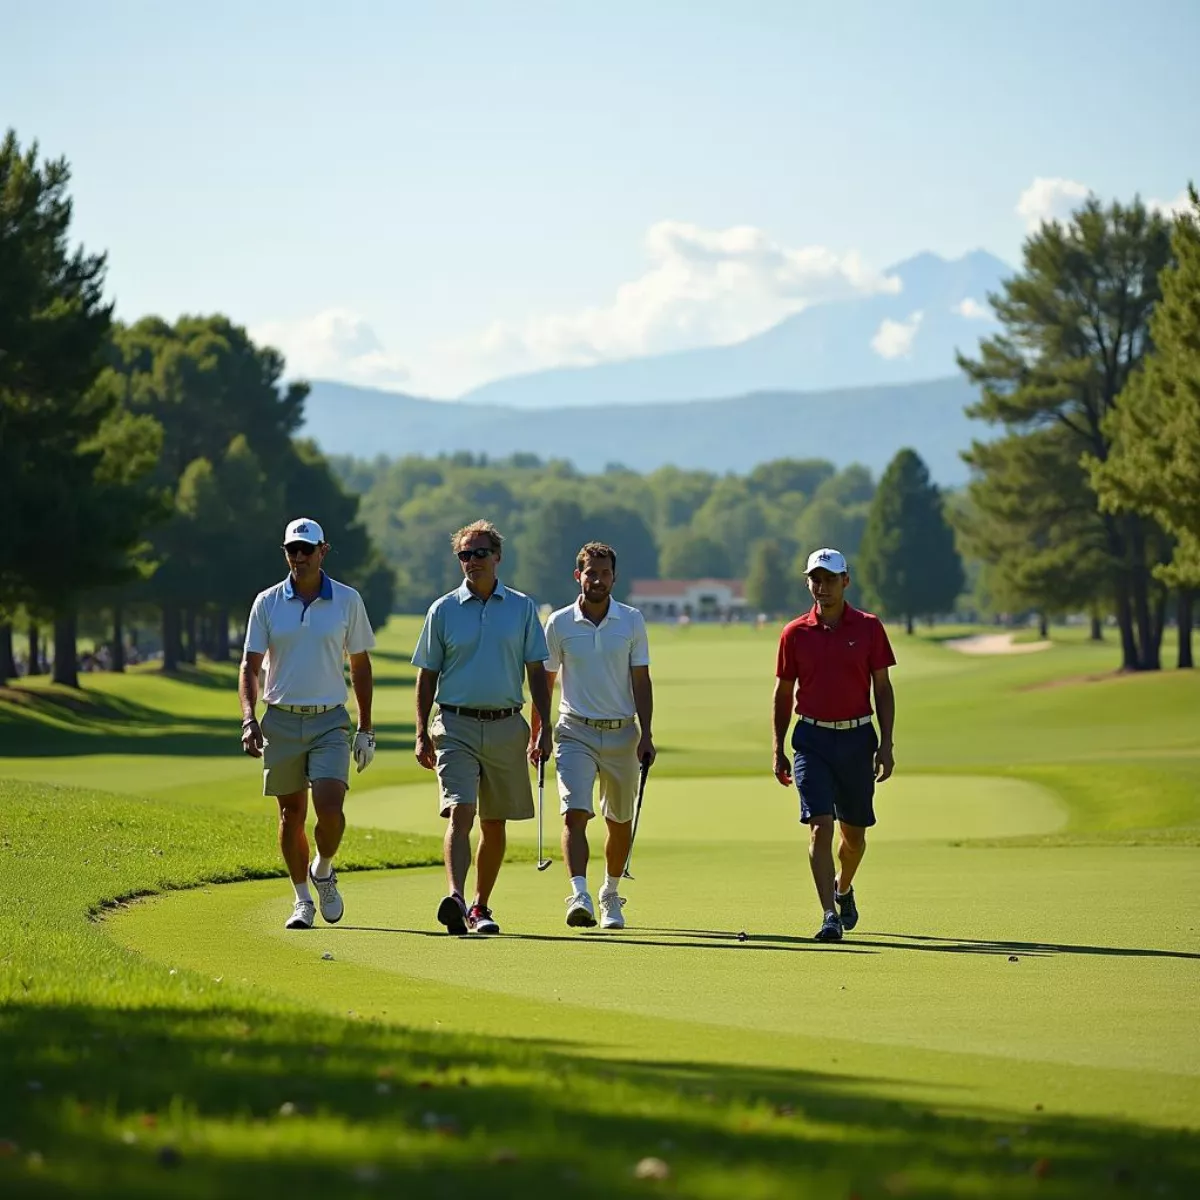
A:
<point x="305" y="627"/>
<point x="600" y="647"/>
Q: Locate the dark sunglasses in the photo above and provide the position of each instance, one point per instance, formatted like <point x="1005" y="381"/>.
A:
<point x="296" y="549"/>
<point x="478" y="552"/>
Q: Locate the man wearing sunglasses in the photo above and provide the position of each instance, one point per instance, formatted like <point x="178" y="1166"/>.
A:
<point x="478" y="645"/>
<point x="304" y="628"/>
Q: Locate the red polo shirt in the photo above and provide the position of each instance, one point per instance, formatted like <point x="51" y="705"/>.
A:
<point x="832" y="667"/>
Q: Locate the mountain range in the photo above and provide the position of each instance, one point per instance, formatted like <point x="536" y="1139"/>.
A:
<point x="851" y="381"/>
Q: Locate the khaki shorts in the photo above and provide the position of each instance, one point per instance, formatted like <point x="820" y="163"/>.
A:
<point x="300" y="747"/>
<point x="583" y="753"/>
<point x="483" y="763"/>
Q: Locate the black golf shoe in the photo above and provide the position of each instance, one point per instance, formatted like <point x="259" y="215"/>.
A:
<point x="831" y="929"/>
<point x="452" y="912"/>
<point x="847" y="909"/>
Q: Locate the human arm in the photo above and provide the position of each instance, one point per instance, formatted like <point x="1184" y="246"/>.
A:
<point x="363" y="681"/>
<point x="252" y="738"/>
<point x="785" y="690"/>
<point x="539" y="694"/>
<point x="885" y="712"/>
<point x="643" y="702"/>
<point x="535" y="718"/>
<point x="426" y="690"/>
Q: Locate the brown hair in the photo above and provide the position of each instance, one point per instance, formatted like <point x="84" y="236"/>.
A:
<point x="457" y="539"/>
<point x="596" y="550"/>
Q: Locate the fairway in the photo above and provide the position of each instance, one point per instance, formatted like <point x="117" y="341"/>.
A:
<point x="1028" y="955"/>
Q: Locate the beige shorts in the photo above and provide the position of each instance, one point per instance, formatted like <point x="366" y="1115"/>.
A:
<point x="483" y="763"/>
<point x="583" y="753"/>
<point x="299" y="747"/>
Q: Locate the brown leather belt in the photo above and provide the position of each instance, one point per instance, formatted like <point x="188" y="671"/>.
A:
<point x="479" y="714"/>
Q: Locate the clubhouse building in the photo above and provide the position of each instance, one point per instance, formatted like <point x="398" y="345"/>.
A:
<point x="690" y="599"/>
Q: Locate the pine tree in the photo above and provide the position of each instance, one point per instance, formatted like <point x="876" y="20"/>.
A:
<point x="908" y="563"/>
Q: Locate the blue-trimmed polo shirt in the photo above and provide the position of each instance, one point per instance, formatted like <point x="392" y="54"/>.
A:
<point x="306" y="643"/>
<point x="480" y="647"/>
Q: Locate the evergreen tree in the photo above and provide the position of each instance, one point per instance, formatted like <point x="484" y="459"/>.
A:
<point x="1075" y="328"/>
<point x="908" y="564"/>
<point x="771" y="585"/>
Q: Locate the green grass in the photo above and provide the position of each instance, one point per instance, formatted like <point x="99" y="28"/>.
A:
<point x="1043" y="811"/>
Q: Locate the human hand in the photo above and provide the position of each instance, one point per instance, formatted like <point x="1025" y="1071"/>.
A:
<point x="885" y="763"/>
<point x="646" y="752"/>
<point x="782" y="768"/>
<point x="252" y="738"/>
<point x="424" y="750"/>
<point x="364" y="749"/>
<point x="544" y="748"/>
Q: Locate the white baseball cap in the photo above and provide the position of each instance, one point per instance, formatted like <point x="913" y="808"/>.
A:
<point x="833" y="561"/>
<point x="304" y="529"/>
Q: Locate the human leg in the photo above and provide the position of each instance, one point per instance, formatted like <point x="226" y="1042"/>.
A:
<point x="852" y="845"/>
<point x="493" y="838"/>
<point x="820" y="859"/>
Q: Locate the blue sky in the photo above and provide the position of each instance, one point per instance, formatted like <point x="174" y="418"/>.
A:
<point x="427" y="196"/>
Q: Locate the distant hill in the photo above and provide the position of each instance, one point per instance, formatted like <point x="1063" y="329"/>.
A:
<point x="824" y="347"/>
<point x="866" y="425"/>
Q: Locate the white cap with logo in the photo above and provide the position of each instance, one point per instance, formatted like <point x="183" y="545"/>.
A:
<point x="303" y="529"/>
<point x="833" y="561"/>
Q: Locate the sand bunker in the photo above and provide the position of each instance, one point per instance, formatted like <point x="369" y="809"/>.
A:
<point x="995" y="643"/>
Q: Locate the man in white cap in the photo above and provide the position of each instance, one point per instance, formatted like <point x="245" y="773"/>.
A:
<point x="305" y="627"/>
<point x="830" y="661"/>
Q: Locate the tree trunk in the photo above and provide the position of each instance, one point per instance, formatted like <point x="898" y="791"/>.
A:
<point x="908" y="624"/>
<point x="1148" y="659"/>
<point x="1158" y="619"/>
<point x="1129" y="650"/>
<point x="1097" y="633"/>
<point x="66" y="661"/>
<point x="8" y="662"/>
<point x="1043" y="626"/>
<point x="188" y="653"/>
<point x="170" y="637"/>
<point x="118" y="640"/>
<point x="35" y="652"/>
<point x="220" y="639"/>
<point x="1184" y="609"/>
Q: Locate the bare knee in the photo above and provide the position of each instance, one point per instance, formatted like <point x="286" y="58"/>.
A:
<point x="576" y="818"/>
<point x="854" y="837"/>
<point x="492" y="831"/>
<point x="293" y="809"/>
<point x="462" y="817"/>
<point x="328" y="795"/>
<point x="820" y="831"/>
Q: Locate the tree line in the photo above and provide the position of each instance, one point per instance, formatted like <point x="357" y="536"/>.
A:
<point x="1087" y="498"/>
<point x="149" y="468"/>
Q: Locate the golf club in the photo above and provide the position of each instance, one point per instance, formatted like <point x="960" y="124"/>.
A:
<point x="637" y="812"/>
<point x="542" y="862"/>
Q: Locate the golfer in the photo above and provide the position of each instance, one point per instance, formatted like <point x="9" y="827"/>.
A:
<point x="305" y="627"/>
<point x="477" y="644"/>
<point x="600" y="647"/>
<point x="829" y="662"/>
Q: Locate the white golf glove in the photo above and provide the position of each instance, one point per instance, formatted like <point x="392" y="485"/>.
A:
<point x="364" y="749"/>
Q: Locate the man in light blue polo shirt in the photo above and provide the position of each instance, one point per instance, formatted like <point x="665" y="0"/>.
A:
<point x="477" y="646"/>
<point x="304" y="628"/>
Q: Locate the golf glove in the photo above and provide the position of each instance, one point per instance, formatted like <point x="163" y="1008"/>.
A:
<point x="364" y="749"/>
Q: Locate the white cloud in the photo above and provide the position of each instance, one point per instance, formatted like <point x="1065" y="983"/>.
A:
<point x="334" y="344"/>
<point x="894" y="339"/>
<point x="702" y="287"/>
<point x="1171" y="208"/>
<point x="1050" y="200"/>
<point x="973" y="310"/>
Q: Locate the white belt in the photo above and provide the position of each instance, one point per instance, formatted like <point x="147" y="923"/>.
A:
<point x="595" y="723"/>
<point x="307" y="708"/>
<point x="854" y="724"/>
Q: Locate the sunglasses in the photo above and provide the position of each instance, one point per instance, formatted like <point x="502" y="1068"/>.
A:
<point x="298" y="549"/>
<point x="478" y="552"/>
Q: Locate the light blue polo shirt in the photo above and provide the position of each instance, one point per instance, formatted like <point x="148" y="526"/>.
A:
<point x="480" y="648"/>
<point x="306" y="644"/>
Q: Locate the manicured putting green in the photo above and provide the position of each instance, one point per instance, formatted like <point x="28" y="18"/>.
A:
<point x="1094" y="1016"/>
<point x="748" y="808"/>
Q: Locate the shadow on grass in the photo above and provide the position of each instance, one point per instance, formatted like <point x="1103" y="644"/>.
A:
<point x="910" y="941"/>
<point x="239" y="1101"/>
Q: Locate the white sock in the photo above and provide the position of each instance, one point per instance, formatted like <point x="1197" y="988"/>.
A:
<point x="579" y="884"/>
<point x="611" y="883"/>
<point x="302" y="892"/>
<point x="321" y="867"/>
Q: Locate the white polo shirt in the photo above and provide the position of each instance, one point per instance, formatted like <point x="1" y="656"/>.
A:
<point x="595" y="659"/>
<point x="306" y="644"/>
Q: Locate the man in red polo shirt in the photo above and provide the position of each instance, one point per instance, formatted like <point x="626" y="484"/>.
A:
<point x="829" y="661"/>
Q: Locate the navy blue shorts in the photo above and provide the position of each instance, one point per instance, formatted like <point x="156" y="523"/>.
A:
<point x="834" y="770"/>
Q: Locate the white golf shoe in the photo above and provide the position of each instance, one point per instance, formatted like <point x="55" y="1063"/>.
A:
<point x="611" y="916"/>
<point x="580" y="913"/>
<point x="302" y="916"/>
<point x="332" y="906"/>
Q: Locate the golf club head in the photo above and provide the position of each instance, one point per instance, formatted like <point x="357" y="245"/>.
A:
<point x="543" y="863"/>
